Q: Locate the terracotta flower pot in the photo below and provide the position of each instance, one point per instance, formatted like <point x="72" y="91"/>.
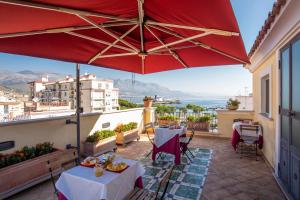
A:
<point x="232" y="107"/>
<point x="148" y="103"/>
<point x="128" y="136"/>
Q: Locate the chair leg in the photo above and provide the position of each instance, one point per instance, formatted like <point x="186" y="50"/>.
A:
<point x="241" y="153"/>
<point x="188" y="157"/>
<point x="149" y="154"/>
<point x="190" y="152"/>
<point x="53" y="183"/>
<point x="256" y="151"/>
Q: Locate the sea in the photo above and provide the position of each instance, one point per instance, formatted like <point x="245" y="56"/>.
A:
<point x="210" y="103"/>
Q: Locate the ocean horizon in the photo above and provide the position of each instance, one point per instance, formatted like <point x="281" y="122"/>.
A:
<point x="205" y="102"/>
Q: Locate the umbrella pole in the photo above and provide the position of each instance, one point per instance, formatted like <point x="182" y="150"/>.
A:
<point x="78" y="110"/>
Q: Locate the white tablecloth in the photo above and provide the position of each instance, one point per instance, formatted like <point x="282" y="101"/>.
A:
<point x="237" y="126"/>
<point x="80" y="183"/>
<point x="163" y="135"/>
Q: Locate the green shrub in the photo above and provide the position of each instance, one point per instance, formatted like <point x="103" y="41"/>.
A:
<point x="124" y="104"/>
<point x="232" y="102"/>
<point x="168" y="117"/>
<point x="26" y="153"/>
<point x="126" y="127"/>
<point x="205" y="118"/>
<point x="191" y="118"/>
<point x="99" y="135"/>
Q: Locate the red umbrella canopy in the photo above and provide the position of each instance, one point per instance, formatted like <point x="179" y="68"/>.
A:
<point x="140" y="36"/>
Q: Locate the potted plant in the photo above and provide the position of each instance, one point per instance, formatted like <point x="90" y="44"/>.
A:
<point x="100" y="142"/>
<point x="199" y="123"/>
<point x="148" y="101"/>
<point x="167" y="120"/>
<point x="34" y="160"/>
<point x="232" y="104"/>
<point x="126" y="133"/>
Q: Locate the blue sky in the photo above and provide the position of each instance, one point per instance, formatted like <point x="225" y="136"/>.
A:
<point x="207" y="81"/>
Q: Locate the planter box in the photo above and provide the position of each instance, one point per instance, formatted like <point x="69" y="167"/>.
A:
<point x="101" y="147"/>
<point x="128" y="136"/>
<point x="166" y="122"/>
<point x="199" y="126"/>
<point x="20" y="176"/>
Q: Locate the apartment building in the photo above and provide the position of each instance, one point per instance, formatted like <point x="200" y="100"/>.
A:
<point x="35" y="88"/>
<point x="10" y="108"/>
<point x="97" y="95"/>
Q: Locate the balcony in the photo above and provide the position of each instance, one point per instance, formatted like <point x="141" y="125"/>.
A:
<point x="224" y="176"/>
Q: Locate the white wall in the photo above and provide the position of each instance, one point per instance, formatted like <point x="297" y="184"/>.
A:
<point x="57" y="131"/>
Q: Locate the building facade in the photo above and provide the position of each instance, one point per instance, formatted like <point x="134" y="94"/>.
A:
<point x="275" y="65"/>
<point x="97" y="95"/>
<point x="10" y="108"/>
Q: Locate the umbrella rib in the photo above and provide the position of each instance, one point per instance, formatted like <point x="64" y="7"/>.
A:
<point x="61" y="9"/>
<point x="98" y="41"/>
<point x="141" y="22"/>
<point x="181" y="41"/>
<point x="174" y="54"/>
<point x="199" y="44"/>
<point x="62" y="30"/>
<point x="107" y="32"/>
<point x="112" y="44"/>
<point x="215" y="31"/>
<point x="118" y="55"/>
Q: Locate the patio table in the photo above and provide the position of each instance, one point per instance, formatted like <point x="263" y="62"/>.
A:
<point x="237" y="132"/>
<point x="80" y="183"/>
<point x="167" y="140"/>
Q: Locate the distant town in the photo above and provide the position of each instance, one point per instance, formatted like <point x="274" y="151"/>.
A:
<point x="58" y="98"/>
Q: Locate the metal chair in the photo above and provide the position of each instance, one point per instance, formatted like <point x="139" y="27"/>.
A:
<point x="184" y="142"/>
<point x="243" y="120"/>
<point x="142" y="194"/>
<point x="149" y="127"/>
<point x="55" y="166"/>
<point x="249" y="137"/>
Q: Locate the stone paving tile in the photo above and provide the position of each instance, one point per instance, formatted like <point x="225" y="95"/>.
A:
<point x="229" y="177"/>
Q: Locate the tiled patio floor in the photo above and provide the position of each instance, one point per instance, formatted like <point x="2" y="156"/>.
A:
<point x="229" y="177"/>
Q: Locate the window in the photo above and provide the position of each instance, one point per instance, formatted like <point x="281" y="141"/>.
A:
<point x="99" y="85"/>
<point x="265" y="95"/>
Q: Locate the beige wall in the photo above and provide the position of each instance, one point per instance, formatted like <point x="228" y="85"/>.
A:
<point x="57" y="131"/>
<point x="226" y="117"/>
<point x="269" y="66"/>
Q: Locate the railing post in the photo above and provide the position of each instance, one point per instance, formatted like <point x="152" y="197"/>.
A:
<point x="78" y="111"/>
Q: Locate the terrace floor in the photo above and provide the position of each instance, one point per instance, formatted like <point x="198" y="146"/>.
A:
<point x="229" y="177"/>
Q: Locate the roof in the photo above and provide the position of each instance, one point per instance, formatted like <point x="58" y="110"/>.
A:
<point x="277" y="6"/>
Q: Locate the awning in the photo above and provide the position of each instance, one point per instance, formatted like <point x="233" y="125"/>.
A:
<point x="140" y="36"/>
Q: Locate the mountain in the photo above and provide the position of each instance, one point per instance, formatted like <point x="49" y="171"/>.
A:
<point x="18" y="81"/>
<point x="141" y="89"/>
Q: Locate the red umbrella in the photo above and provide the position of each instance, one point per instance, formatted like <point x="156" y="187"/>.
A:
<point x="130" y="35"/>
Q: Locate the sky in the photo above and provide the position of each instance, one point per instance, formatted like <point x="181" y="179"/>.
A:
<point x="204" y="81"/>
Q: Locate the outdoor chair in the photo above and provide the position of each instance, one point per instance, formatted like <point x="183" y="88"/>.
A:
<point x="142" y="194"/>
<point x="149" y="128"/>
<point x="247" y="121"/>
<point x="55" y="166"/>
<point x="248" y="138"/>
<point x="184" y="142"/>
